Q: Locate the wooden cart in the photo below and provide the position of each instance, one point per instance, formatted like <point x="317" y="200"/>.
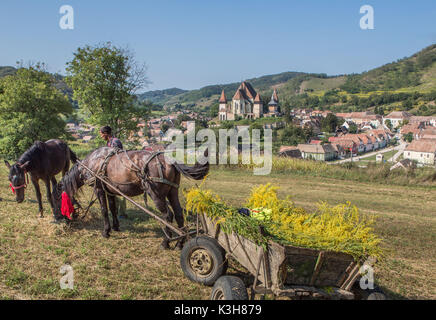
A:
<point x="279" y="270"/>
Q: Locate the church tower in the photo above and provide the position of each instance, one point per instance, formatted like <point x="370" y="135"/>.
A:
<point x="257" y="107"/>
<point x="222" y="112"/>
<point x="273" y="105"/>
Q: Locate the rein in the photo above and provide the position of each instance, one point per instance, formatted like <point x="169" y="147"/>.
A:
<point x="26" y="182"/>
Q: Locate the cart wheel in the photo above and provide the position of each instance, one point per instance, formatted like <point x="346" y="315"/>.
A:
<point x="203" y="260"/>
<point x="229" y="288"/>
<point x="368" y="294"/>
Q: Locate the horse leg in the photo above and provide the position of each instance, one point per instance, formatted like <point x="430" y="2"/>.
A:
<point x="101" y="195"/>
<point x="114" y="211"/>
<point x="173" y="198"/>
<point x="161" y="205"/>
<point x="49" y="195"/>
<point x="145" y="198"/>
<point x="38" y="196"/>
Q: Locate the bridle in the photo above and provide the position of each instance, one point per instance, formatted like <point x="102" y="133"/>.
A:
<point x="26" y="182"/>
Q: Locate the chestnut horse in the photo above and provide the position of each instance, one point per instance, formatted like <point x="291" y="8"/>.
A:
<point x="42" y="161"/>
<point x="133" y="172"/>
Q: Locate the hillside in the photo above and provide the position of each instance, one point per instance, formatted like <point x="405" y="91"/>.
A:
<point x="161" y="96"/>
<point x="6" y="71"/>
<point x="414" y="71"/>
<point x="406" y="84"/>
<point x="204" y="94"/>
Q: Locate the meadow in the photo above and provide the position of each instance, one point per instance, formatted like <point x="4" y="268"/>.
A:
<point x="131" y="265"/>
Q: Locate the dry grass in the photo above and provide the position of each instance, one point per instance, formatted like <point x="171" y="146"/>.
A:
<point x="131" y="265"/>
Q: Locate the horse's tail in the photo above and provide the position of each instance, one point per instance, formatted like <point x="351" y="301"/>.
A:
<point x="73" y="156"/>
<point x="197" y="172"/>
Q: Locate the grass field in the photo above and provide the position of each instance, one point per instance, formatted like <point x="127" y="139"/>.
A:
<point x="131" y="265"/>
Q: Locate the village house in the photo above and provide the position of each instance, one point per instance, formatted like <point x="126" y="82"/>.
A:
<point x="397" y="118"/>
<point x="415" y="129"/>
<point x="366" y="118"/>
<point x="426" y="121"/>
<point x="341" y="152"/>
<point x="289" y="151"/>
<point x="319" y="152"/>
<point x="423" y="151"/>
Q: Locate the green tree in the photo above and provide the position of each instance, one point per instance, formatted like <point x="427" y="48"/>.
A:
<point x="105" y="79"/>
<point x="353" y="128"/>
<point x="293" y="135"/>
<point x="329" y="123"/>
<point x="31" y="109"/>
<point x="388" y="123"/>
<point x="408" y="137"/>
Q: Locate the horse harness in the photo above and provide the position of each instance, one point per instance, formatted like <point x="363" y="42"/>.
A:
<point x="142" y="174"/>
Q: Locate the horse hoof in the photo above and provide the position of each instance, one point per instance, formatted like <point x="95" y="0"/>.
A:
<point x="165" y="245"/>
<point x="116" y="229"/>
<point x="180" y="245"/>
<point x="105" y="235"/>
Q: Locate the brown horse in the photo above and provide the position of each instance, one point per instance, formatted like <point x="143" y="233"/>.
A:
<point x="42" y="161"/>
<point x="134" y="173"/>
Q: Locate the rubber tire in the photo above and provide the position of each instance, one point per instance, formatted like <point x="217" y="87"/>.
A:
<point x="215" y="251"/>
<point x="368" y="294"/>
<point x="229" y="288"/>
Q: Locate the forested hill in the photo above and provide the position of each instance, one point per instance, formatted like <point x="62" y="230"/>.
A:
<point x="6" y="71"/>
<point x="406" y="84"/>
<point x="171" y="96"/>
<point x="414" y="71"/>
<point x="161" y="96"/>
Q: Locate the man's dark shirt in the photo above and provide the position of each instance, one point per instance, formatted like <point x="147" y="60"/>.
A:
<point x="115" y="143"/>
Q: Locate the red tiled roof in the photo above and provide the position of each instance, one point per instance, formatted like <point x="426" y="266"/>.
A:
<point x="223" y="97"/>
<point x="399" y="115"/>
<point x="422" y="146"/>
<point x="276" y="98"/>
<point x="245" y="91"/>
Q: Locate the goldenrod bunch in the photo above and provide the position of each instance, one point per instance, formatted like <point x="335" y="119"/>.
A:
<point x="338" y="228"/>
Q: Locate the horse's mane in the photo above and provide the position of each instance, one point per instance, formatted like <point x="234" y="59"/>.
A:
<point x="70" y="183"/>
<point x="34" y="154"/>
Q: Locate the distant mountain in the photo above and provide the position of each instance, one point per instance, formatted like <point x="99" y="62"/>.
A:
<point x="160" y="96"/>
<point x="6" y="71"/>
<point x="204" y="95"/>
<point x="407" y="83"/>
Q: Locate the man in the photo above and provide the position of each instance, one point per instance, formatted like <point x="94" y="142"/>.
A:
<point x="112" y="142"/>
<point x="106" y="134"/>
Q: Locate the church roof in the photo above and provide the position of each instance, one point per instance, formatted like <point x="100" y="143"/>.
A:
<point x="240" y="95"/>
<point x="223" y="98"/>
<point x="245" y="91"/>
<point x="257" y="99"/>
<point x="273" y="101"/>
<point x="276" y="98"/>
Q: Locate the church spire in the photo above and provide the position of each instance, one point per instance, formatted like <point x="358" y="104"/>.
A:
<point x="223" y="98"/>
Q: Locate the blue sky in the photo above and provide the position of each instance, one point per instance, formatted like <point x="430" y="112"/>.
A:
<point x="190" y="44"/>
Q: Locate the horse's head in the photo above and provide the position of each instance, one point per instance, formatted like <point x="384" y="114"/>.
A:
<point x="57" y="198"/>
<point x="17" y="178"/>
